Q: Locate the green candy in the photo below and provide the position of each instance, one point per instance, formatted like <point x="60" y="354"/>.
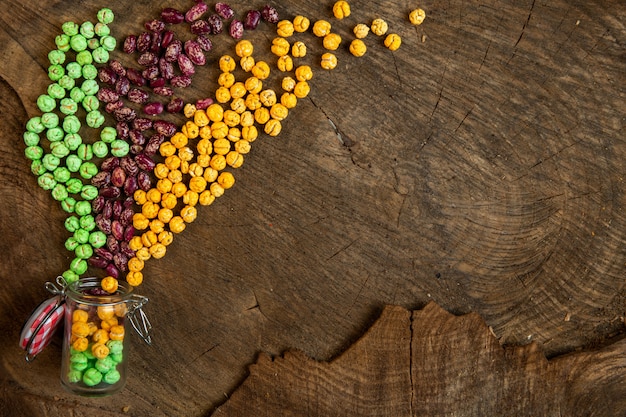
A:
<point x="34" y="125"/>
<point x="72" y="141"/>
<point x="72" y="224"/>
<point x="100" y="149"/>
<point x="84" y="152"/>
<point x="67" y="82"/>
<point x="84" y="251"/>
<point x="62" y="174"/>
<point x="49" y="120"/>
<point x="55" y="134"/>
<point x="88" y="222"/>
<point x="91" y="103"/>
<point x="46" y="103"/>
<point x="101" y="29"/>
<point x="46" y="181"/>
<point x="74" y="70"/>
<point x="73" y="163"/>
<point x="74" y="376"/>
<point x="71" y="244"/>
<point x="37" y="168"/>
<point x="117" y="357"/>
<point x="34" y="153"/>
<point x="70" y="276"/>
<point x="31" y="138"/>
<point x="68" y="205"/>
<point x="90" y="72"/>
<point x="59" y="149"/>
<point x="71" y="124"/>
<point x="87" y="29"/>
<point x="89" y="192"/>
<point x="55" y="72"/>
<point x="84" y="58"/>
<point x="59" y="192"/>
<point x="89" y="355"/>
<point x="51" y="162"/>
<point x="101" y="53"/>
<point x="77" y="94"/>
<point x="119" y="148"/>
<point x="97" y="239"/>
<point x="112" y="376"/>
<point x="74" y="185"/>
<point x="62" y="42"/>
<point x="95" y="119"/>
<point x="56" y="57"/>
<point x="90" y="87"/>
<point x="105" y="15"/>
<point x="108" y="134"/>
<point x="93" y="43"/>
<point x="105" y="365"/>
<point x="81" y="235"/>
<point x="87" y="170"/>
<point x="70" y="28"/>
<point x="78" y="361"/>
<point x="92" y="377"/>
<point x="83" y="208"/>
<point x="115" y="347"/>
<point x="56" y="91"/>
<point x="108" y="43"/>
<point x="78" y="42"/>
<point x="78" y="265"/>
<point x="68" y="106"/>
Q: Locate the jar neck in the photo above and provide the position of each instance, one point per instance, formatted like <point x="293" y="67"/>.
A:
<point x="85" y="291"/>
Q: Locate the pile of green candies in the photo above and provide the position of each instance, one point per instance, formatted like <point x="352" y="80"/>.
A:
<point x="63" y="161"/>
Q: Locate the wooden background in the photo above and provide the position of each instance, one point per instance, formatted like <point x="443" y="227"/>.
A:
<point x="481" y="166"/>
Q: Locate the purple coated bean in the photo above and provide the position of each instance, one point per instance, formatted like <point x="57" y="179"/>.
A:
<point x="130" y="44"/>
<point x="194" y="52"/>
<point x="172" y="16"/>
<point x="224" y="10"/>
<point x="236" y="29"/>
<point x="216" y="24"/>
<point x="269" y="14"/>
<point x="186" y="67"/>
<point x="180" y="81"/>
<point x="251" y="19"/>
<point x="195" y="12"/>
<point x="136" y="95"/>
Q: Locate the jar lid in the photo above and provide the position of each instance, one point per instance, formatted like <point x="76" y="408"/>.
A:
<point x="41" y="325"/>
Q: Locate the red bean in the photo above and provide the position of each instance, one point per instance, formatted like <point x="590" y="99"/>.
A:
<point x="166" y="69"/>
<point x="110" y="163"/>
<point x="164" y="128"/>
<point x="200" y="27"/>
<point x="135" y="77"/>
<point x="236" y="29"/>
<point x="136" y="95"/>
<point x="117" y="67"/>
<point x="122" y="86"/>
<point x="186" y="67"/>
<point x="118" y="207"/>
<point x="151" y="73"/>
<point x="168" y="37"/>
<point x="107" y="75"/>
<point x="97" y="204"/>
<point x="142" y="124"/>
<point x="112" y="271"/>
<point x="107" y="95"/>
<point x="103" y="223"/>
<point x="269" y="14"/>
<point x="101" y="179"/>
<point x="120" y="260"/>
<point x="129" y="165"/>
<point x="173" y="50"/>
<point x="125" y="114"/>
<point x="194" y="52"/>
<point x="144" y="181"/>
<point x="216" y="24"/>
<point x="172" y="16"/>
<point x="155" y="45"/>
<point x="252" y="19"/>
<point x="118" y="177"/>
<point x="163" y="91"/>
<point x="144" y="41"/>
<point x="147" y="59"/>
<point x="144" y="162"/>
<point x="204" y="42"/>
<point x="117" y="230"/>
<point x="98" y="262"/>
<point x="130" y="44"/>
<point x="104" y="253"/>
<point x="157" y="82"/>
<point x="126" y="217"/>
<point x="129" y="233"/>
<point x="203" y="104"/>
<point x="224" y="10"/>
<point x="136" y="138"/>
<point x="153" y="144"/>
<point x="112" y="243"/>
<point x="155" y="25"/>
<point x="181" y="81"/>
<point x="111" y="107"/>
<point x="153" y="108"/>
<point x="175" y="105"/>
<point x="130" y="186"/>
<point x="195" y="12"/>
<point x="110" y="192"/>
<point x="135" y="149"/>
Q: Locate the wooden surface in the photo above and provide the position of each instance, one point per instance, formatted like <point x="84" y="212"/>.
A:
<point x="480" y="166"/>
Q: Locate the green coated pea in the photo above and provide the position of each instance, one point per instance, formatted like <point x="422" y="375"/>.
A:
<point x="73" y="163"/>
<point x="88" y="170"/>
<point x="92" y="377"/>
<point x="72" y="224"/>
<point x="81" y="235"/>
<point x="50" y="162"/>
<point x="87" y="29"/>
<point x="90" y="87"/>
<point x="62" y="174"/>
<point x="93" y="43"/>
<point x="34" y="152"/>
<point x="46" y="181"/>
<point x="56" y="91"/>
<point x="54" y="134"/>
<point x="120" y="148"/>
<point x="59" y="149"/>
<point x="84" y="251"/>
<point x="67" y="82"/>
<point x="71" y="124"/>
<point x="105" y="15"/>
<point x="101" y="54"/>
<point x="74" y="376"/>
<point x="83" y="208"/>
<point x="31" y="138"/>
<point x="102" y="29"/>
<point x="88" y="222"/>
<point x="105" y="365"/>
<point x="56" y="57"/>
<point x="100" y="149"/>
<point x="50" y="120"/>
<point x="37" y="168"/>
<point x="77" y="94"/>
<point x="95" y="119"/>
<point x="68" y="106"/>
<point x="59" y="193"/>
<point x="90" y="72"/>
<point x="89" y="192"/>
<point x="70" y="276"/>
<point x="70" y="28"/>
<point x="91" y="103"/>
<point x="84" y="152"/>
<point x="78" y="42"/>
<point x="46" y="103"/>
<point x="84" y="57"/>
<point x="68" y="204"/>
<point x="97" y="239"/>
<point x="74" y="185"/>
<point x="62" y="42"/>
<point x="72" y="141"/>
<point x="112" y="376"/>
<point x="70" y="243"/>
<point x="55" y="72"/>
<point x="74" y="70"/>
<point x="117" y="357"/>
<point x="108" y="43"/>
<point x="34" y="125"/>
<point x="108" y="134"/>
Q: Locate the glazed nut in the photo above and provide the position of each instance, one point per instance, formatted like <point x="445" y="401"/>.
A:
<point x="227" y="63"/>
<point x="302" y="89"/>
<point x="109" y="284"/>
<point x="246" y="63"/>
<point x="393" y="41"/>
<point x="321" y="28"/>
<point x="361" y="30"/>
<point x="177" y="224"/>
<point x="341" y="9"/>
<point x="100" y="350"/>
<point x="332" y="41"/>
<point x="288" y="83"/>
<point x="285" y="28"/>
<point x="272" y="127"/>
<point x="329" y="61"/>
<point x="261" y="70"/>
<point x="215" y="112"/>
<point x="279" y="112"/>
<point x="80" y="329"/>
<point x="301" y="23"/>
<point x="226" y="79"/>
<point x="117" y="331"/>
<point x="234" y="159"/>
<point x="379" y="27"/>
<point x="226" y="180"/>
<point x="285" y="63"/>
<point x="134" y="278"/>
<point x="417" y="16"/>
<point x="298" y="50"/>
<point x="357" y="47"/>
<point x="280" y="46"/>
<point x="304" y="73"/>
<point x="244" y="48"/>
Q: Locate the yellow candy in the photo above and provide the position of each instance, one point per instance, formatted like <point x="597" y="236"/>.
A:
<point x="268" y="97"/>
<point x="278" y="111"/>
<point x="158" y="250"/>
<point x="101" y="336"/>
<point x="215" y="112"/>
<point x="189" y="213"/>
<point x="165" y="215"/>
<point x="329" y="61"/>
<point x="280" y="46"/>
<point x="107" y="324"/>
<point x="219" y="130"/>
<point x="261" y="70"/>
<point x="150" y="209"/>
<point x="92" y="328"/>
<point x="80" y="316"/>
<point x="361" y="31"/>
<point x="197" y="184"/>
<point x="226" y="180"/>
<point x="298" y="50"/>
<point x="80" y="344"/>
<point x="135" y="243"/>
<point x="253" y="101"/>
<point x="153" y="195"/>
<point x="172" y="162"/>
<point x="109" y="284"/>
<point x="234" y="159"/>
<point x="226" y="79"/>
<point x="234" y="134"/>
<point x="238" y="105"/>
<point x="393" y="41"/>
<point x="285" y="63"/>
<point x="100" y="350"/>
<point x="168" y="201"/>
<point x="189" y="110"/>
<point x="217" y="190"/>
<point x="166" y="237"/>
<point x="288" y="84"/>
<point x="303" y="73"/>
<point x="191" y="130"/>
<point x="140" y="221"/>
<point x="246" y="63"/>
<point x="195" y="170"/>
<point x="253" y="85"/>
<point x="177" y="224"/>
<point x="301" y="89"/>
<point x="249" y="133"/>
<point x="117" y="332"/>
<point x="160" y="171"/>
<point x="105" y="312"/>
<point x="246" y="119"/>
<point x="164" y="185"/>
<point x="261" y="115"/>
<point x="244" y="48"/>
<point x="284" y="28"/>
<point x="210" y="174"/>
<point x="179" y="189"/>
<point x="200" y="118"/>
<point x="156" y="225"/>
<point x="185" y="154"/>
<point x="242" y="146"/>
<point x="218" y="162"/>
<point x="190" y="198"/>
<point x="341" y="9"/>
<point x="379" y="27"/>
<point x="357" y="47"/>
<point x="221" y="146"/>
<point x="332" y="41"/>
<point x="289" y="100"/>
<point x="301" y="23"/>
<point x="135" y="264"/>
<point x="227" y="63"/>
<point x="321" y="28"/>
<point x="417" y="16"/>
<point x="231" y="118"/>
<point x="140" y="197"/>
<point x="143" y="254"/>
<point x="134" y="278"/>
<point x="80" y="329"/>
<point x="222" y="95"/>
<point x="206" y="198"/>
<point x="272" y="127"/>
<point x="149" y="238"/>
<point x="166" y="149"/>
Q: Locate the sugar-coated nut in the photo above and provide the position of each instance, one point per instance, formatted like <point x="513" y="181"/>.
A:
<point x="117" y="332"/>
<point x="100" y="350"/>
<point x="109" y="284"/>
<point x="80" y="329"/>
<point x="298" y="50"/>
<point x="80" y="316"/>
<point x="238" y="90"/>
<point x="234" y="159"/>
<point x="357" y="47"/>
<point x="301" y="23"/>
<point x="227" y="63"/>
<point x="222" y="95"/>
<point x="280" y="46"/>
<point x="80" y="344"/>
<point x="92" y="377"/>
<point x="244" y="48"/>
<point x="285" y="63"/>
<point x="288" y="83"/>
<point x="104" y="365"/>
<point x="247" y="63"/>
<point x="301" y="89"/>
<point x="379" y="27"/>
<point x="278" y="111"/>
<point x="284" y="28"/>
<point x="134" y="278"/>
<point x="177" y="224"/>
<point x="393" y="41"/>
<point x="329" y="61"/>
<point x="242" y="146"/>
<point x="303" y="73"/>
<point x="261" y="70"/>
<point x="105" y="312"/>
<point x="272" y="127"/>
<point x="268" y="97"/>
<point x="361" y="30"/>
<point x="321" y="28"/>
<point x="417" y="16"/>
<point x="341" y="9"/>
<point x="332" y="41"/>
<point x="253" y="85"/>
<point x="189" y="213"/>
<point x="206" y="198"/>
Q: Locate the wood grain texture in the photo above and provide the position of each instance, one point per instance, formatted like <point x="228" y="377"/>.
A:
<point x="480" y="166"/>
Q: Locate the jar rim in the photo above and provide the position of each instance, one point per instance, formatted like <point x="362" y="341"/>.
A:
<point x="76" y="291"/>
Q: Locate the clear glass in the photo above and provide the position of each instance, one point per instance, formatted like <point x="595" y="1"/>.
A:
<point x="95" y="342"/>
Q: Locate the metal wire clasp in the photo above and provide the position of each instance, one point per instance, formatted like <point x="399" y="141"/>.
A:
<point x="138" y="318"/>
<point x="59" y="288"/>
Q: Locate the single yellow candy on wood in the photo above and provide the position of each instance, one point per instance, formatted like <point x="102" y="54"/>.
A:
<point x="379" y="27"/>
<point x="341" y="9"/>
<point x="393" y="41"/>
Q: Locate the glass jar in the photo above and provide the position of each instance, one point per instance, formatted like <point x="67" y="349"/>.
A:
<point x="96" y="333"/>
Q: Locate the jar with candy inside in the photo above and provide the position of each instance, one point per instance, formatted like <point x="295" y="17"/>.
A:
<point x="95" y="342"/>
